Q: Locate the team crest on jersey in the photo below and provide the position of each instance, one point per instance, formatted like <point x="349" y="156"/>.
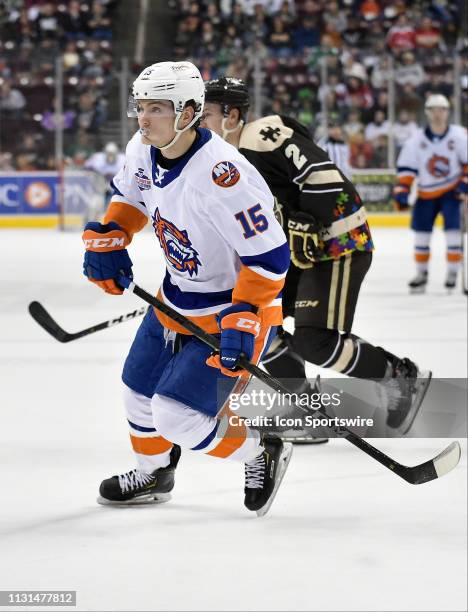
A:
<point x="176" y="245"/>
<point x="225" y="174"/>
<point x="438" y="166"/>
<point x="142" y="180"/>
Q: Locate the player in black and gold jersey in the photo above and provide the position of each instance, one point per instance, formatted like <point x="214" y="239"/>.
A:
<point x="331" y="252"/>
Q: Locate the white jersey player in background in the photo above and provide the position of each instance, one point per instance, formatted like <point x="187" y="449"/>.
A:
<point x="106" y="163"/>
<point x="437" y="157"/>
<point x="226" y="260"/>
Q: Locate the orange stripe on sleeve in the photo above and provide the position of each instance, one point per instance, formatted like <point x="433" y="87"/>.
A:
<point x="454" y="257"/>
<point x="406" y="179"/>
<point x="128" y="217"/>
<point x="255" y="289"/>
<point x="150" y="446"/>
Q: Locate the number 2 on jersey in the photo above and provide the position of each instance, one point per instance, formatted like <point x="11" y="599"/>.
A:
<point x="256" y="224"/>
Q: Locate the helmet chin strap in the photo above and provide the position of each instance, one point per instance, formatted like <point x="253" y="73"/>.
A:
<point x="226" y="131"/>
<point x="177" y="131"/>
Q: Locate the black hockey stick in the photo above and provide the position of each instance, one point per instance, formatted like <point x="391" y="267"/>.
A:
<point x="41" y="316"/>
<point x="443" y="463"/>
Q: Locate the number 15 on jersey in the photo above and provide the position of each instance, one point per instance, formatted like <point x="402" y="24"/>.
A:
<point x="253" y="222"/>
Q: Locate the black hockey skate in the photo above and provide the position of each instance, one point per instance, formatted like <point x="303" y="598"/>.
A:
<point x="451" y="280"/>
<point x="403" y="390"/>
<point x="136" y="487"/>
<point x="418" y="283"/>
<point x="263" y="475"/>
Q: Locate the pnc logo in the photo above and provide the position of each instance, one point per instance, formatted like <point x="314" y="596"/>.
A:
<point x="38" y="194"/>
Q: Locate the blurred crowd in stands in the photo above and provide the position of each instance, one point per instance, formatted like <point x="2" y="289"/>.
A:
<point x="357" y="39"/>
<point x="32" y="34"/>
<point x="289" y="39"/>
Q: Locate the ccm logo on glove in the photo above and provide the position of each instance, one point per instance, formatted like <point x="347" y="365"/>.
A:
<point x="99" y="244"/>
<point x="233" y="321"/>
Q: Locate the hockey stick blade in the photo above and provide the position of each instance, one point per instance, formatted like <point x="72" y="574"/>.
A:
<point x="43" y="318"/>
<point x="444" y="463"/>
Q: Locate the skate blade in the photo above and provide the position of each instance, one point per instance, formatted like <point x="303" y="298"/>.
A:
<point x="159" y="498"/>
<point x="417" y="290"/>
<point x="284" y="460"/>
<point x="424" y="381"/>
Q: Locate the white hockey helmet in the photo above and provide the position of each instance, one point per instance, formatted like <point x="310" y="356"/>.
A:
<point x="111" y="148"/>
<point x="436" y="101"/>
<point x="178" y="82"/>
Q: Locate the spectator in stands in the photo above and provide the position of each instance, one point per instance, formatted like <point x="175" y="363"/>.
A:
<point x="354" y="34"/>
<point x="30" y="153"/>
<point x="380" y="153"/>
<point x="99" y="25"/>
<point x="74" y="21"/>
<point x="6" y="162"/>
<point x="47" y="22"/>
<point x="401" y="36"/>
<point x="353" y="125"/>
<point x="306" y="35"/>
<point x="335" y="17"/>
<point x="286" y="13"/>
<point x="381" y="73"/>
<point x="358" y="92"/>
<point x="404" y="128"/>
<point x="83" y="144"/>
<point x="427" y="36"/>
<point x="90" y="113"/>
<point x="409" y="71"/>
<point x="408" y="99"/>
<point x="360" y="150"/>
<point x="370" y="10"/>
<point x="279" y="39"/>
<point x="12" y="100"/>
<point x="376" y="128"/>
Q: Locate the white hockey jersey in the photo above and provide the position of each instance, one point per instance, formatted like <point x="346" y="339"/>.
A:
<point x="439" y="162"/>
<point x="212" y="214"/>
<point x="99" y="162"/>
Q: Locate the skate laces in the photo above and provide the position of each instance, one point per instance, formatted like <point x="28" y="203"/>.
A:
<point x="133" y="480"/>
<point x="394" y="394"/>
<point x="255" y="472"/>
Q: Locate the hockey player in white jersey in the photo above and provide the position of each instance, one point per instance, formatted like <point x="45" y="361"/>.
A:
<point x="226" y="260"/>
<point x="437" y="157"/>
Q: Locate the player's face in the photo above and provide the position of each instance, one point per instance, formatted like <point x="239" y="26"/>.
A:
<point x="437" y="116"/>
<point x="156" y="121"/>
<point x="212" y="117"/>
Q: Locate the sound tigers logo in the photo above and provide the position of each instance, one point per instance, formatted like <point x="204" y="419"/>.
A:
<point x="438" y="166"/>
<point x="176" y="245"/>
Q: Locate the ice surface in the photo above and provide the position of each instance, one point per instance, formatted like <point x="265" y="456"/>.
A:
<point x="343" y="533"/>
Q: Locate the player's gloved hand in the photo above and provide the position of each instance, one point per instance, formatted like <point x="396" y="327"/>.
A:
<point x="239" y="325"/>
<point x="400" y="197"/>
<point x="303" y="232"/>
<point x="106" y="257"/>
